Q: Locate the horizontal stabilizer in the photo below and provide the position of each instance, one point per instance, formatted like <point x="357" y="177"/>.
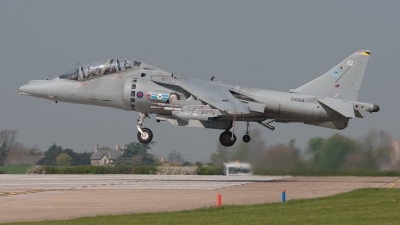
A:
<point x="344" y="108"/>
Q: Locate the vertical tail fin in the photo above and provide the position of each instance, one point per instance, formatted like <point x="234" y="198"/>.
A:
<point x="342" y="81"/>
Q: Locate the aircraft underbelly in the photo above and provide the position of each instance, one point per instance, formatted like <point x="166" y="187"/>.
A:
<point x="303" y="112"/>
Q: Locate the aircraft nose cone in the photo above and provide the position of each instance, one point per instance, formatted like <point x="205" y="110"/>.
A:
<point x="35" y="88"/>
<point x="23" y="90"/>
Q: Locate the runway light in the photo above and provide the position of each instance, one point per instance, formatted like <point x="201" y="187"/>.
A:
<point x="219" y="200"/>
<point x="283" y="195"/>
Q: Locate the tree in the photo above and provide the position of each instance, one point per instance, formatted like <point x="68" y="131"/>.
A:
<point x="34" y="151"/>
<point x="18" y="149"/>
<point x="281" y="156"/>
<point x="78" y="159"/>
<point x="221" y="156"/>
<point x="175" y="156"/>
<point x="333" y="152"/>
<point x="7" y="138"/>
<point x="50" y="155"/>
<point x="315" y="144"/>
<point x="187" y="163"/>
<point x="249" y="152"/>
<point x="136" y="149"/>
<point x="63" y="159"/>
<point x="137" y="160"/>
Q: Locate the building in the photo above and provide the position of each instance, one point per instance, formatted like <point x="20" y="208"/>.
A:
<point x="22" y="160"/>
<point x="105" y="157"/>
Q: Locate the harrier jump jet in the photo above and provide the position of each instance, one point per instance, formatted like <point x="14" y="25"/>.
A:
<point x="327" y="101"/>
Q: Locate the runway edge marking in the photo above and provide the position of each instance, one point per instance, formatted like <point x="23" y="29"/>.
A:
<point x="392" y="184"/>
<point x="65" y="189"/>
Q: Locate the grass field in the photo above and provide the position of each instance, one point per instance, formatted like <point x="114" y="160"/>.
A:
<point x="364" y="206"/>
<point x="15" y="169"/>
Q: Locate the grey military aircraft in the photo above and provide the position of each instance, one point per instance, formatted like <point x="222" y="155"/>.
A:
<point x="327" y="101"/>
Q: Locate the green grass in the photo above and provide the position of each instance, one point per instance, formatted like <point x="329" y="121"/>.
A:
<point x="15" y="169"/>
<point x="363" y="206"/>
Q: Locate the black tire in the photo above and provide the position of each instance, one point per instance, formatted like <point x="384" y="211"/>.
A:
<point x="226" y="139"/>
<point x="146" y="137"/>
<point x="246" y="138"/>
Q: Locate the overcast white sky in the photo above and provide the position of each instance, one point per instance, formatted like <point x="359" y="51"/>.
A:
<point x="275" y="45"/>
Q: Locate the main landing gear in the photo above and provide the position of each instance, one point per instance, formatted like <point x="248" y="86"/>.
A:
<point x="246" y="137"/>
<point x="144" y="135"/>
<point x="228" y="138"/>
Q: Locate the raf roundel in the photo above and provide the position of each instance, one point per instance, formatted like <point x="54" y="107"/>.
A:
<point x="335" y="73"/>
<point x="139" y="94"/>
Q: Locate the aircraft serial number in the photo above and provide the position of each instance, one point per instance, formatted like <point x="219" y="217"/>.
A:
<point x="297" y="99"/>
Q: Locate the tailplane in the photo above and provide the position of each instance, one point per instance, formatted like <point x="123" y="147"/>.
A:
<point x="343" y="81"/>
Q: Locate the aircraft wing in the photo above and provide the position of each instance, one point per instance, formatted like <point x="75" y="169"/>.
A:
<point x="213" y="94"/>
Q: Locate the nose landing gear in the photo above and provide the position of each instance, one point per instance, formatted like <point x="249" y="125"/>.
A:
<point x="144" y="135"/>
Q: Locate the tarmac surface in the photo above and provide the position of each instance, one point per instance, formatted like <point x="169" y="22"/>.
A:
<point x="55" y="197"/>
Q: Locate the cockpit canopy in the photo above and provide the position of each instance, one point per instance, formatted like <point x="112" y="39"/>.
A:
<point x="100" y="68"/>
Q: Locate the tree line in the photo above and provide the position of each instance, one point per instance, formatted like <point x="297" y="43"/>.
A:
<point x="374" y="151"/>
<point x="10" y="147"/>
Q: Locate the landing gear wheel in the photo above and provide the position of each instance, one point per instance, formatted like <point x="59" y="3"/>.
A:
<point x="226" y="139"/>
<point x="146" y="137"/>
<point x="246" y="138"/>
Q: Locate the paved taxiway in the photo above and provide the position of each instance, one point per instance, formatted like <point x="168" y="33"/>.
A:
<point x="48" y="197"/>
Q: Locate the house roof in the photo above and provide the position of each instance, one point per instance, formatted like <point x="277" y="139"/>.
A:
<point x="110" y="154"/>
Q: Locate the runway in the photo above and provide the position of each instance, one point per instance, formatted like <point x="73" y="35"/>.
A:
<point x="50" y="197"/>
<point x="14" y="183"/>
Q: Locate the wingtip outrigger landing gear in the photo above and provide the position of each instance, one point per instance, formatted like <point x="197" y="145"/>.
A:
<point x="144" y="135"/>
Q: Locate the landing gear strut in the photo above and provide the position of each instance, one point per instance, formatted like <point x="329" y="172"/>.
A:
<point x="144" y="135"/>
<point x="246" y="137"/>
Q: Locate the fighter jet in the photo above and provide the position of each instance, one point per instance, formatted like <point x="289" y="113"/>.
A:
<point x="327" y="101"/>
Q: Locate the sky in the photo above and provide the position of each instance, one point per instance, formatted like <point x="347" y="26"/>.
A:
<point x="275" y="45"/>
